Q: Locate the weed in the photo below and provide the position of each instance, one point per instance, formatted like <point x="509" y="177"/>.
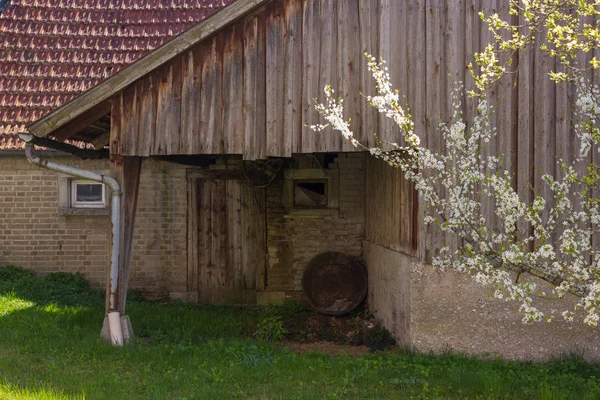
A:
<point x="75" y="281"/>
<point x="291" y="308"/>
<point x="135" y="295"/>
<point x="271" y="329"/>
<point x="12" y="273"/>
<point x="252" y="356"/>
<point x="407" y="381"/>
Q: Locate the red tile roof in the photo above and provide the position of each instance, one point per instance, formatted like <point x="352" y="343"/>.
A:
<point x="53" y="50"/>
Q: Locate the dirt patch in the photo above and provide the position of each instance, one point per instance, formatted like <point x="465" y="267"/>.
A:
<point x="357" y="330"/>
<point x="327" y="348"/>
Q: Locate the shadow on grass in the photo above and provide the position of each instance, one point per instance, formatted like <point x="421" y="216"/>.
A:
<point x="50" y="346"/>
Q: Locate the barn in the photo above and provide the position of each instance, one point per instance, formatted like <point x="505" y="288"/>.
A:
<point x="225" y="108"/>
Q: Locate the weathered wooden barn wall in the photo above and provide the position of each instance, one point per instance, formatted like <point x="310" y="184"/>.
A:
<point x="250" y="88"/>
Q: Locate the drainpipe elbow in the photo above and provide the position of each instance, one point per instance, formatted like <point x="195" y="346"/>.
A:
<point x="29" y="150"/>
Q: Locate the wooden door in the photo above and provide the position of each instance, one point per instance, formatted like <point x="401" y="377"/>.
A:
<point x="226" y="240"/>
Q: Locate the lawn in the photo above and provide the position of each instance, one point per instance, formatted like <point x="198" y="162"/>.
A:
<point x="50" y="349"/>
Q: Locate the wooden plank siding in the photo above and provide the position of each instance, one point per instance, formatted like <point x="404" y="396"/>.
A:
<point x="226" y="240"/>
<point x="249" y="89"/>
<point x="390" y="204"/>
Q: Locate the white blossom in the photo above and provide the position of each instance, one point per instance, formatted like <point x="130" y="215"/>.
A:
<point x="465" y="190"/>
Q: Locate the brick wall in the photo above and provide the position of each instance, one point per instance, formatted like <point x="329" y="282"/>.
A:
<point x="293" y="241"/>
<point x="36" y="236"/>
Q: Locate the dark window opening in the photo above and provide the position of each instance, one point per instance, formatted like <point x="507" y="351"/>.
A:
<point x="89" y="193"/>
<point x="310" y="193"/>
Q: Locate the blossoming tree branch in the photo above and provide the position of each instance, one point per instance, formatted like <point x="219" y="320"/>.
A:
<point x="455" y="184"/>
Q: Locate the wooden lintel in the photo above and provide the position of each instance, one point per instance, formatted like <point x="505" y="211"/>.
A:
<point x="102" y="92"/>
<point x="223" y="174"/>
<point x="82" y="121"/>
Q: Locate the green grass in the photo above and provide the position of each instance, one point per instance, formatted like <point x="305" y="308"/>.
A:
<point x="50" y="349"/>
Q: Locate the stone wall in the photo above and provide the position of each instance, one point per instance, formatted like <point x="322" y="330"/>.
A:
<point x="438" y="311"/>
<point x="294" y="240"/>
<point x="450" y="310"/>
<point x="36" y="236"/>
<point x="389" y="289"/>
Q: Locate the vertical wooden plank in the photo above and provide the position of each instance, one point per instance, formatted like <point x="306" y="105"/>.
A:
<point x="453" y="71"/>
<point x="130" y="121"/>
<point x="233" y="81"/>
<point x="490" y="148"/>
<point x="506" y="114"/>
<point x="406" y="213"/>
<point x="192" y="235"/>
<point x="168" y="114"/>
<point x="311" y="58"/>
<point x="564" y="150"/>
<point x="417" y="93"/>
<point x="563" y="130"/>
<point x="249" y="268"/>
<point x="261" y="89"/>
<point x="233" y="268"/>
<point x="252" y="104"/>
<point x="147" y="113"/>
<point x="257" y="229"/>
<point x="329" y="141"/>
<point x="399" y="59"/>
<point x="525" y="118"/>
<point x="220" y="259"/>
<point x="205" y="241"/>
<point x="275" y="81"/>
<point x="369" y="29"/>
<point x="471" y="46"/>
<point x="254" y="245"/>
<point x="544" y="125"/>
<point x="385" y="50"/>
<point x="190" y="104"/>
<point x="211" y="121"/>
<point x="393" y="47"/>
<point x="292" y="47"/>
<point x="434" y="87"/>
<point x="349" y="59"/>
<point x="194" y="100"/>
<point x="116" y="111"/>
<point x="175" y="115"/>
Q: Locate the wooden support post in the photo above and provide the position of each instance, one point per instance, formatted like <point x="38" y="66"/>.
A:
<point x="127" y="171"/>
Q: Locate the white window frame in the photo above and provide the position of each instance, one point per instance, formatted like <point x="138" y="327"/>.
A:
<point x="86" y="204"/>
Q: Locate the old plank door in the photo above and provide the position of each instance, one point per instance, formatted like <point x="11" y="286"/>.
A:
<point x="227" y="240"/>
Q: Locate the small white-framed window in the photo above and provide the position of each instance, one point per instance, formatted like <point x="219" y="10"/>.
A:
<point x="87" y="194"/>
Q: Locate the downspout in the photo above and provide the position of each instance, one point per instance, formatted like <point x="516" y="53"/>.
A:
<point x="114" y="318"/>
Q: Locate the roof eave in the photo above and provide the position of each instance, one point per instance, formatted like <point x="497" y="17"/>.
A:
<point x="106" y="89"/>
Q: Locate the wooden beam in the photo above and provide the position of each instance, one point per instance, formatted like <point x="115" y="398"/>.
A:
<point x="211" y="174"/>
<point x="135" y="71"/>
<point x="127" y="171"/>
<point x="101" y="141"/>
<point x="86" y="154"/>
<point x="81" y="121"/>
